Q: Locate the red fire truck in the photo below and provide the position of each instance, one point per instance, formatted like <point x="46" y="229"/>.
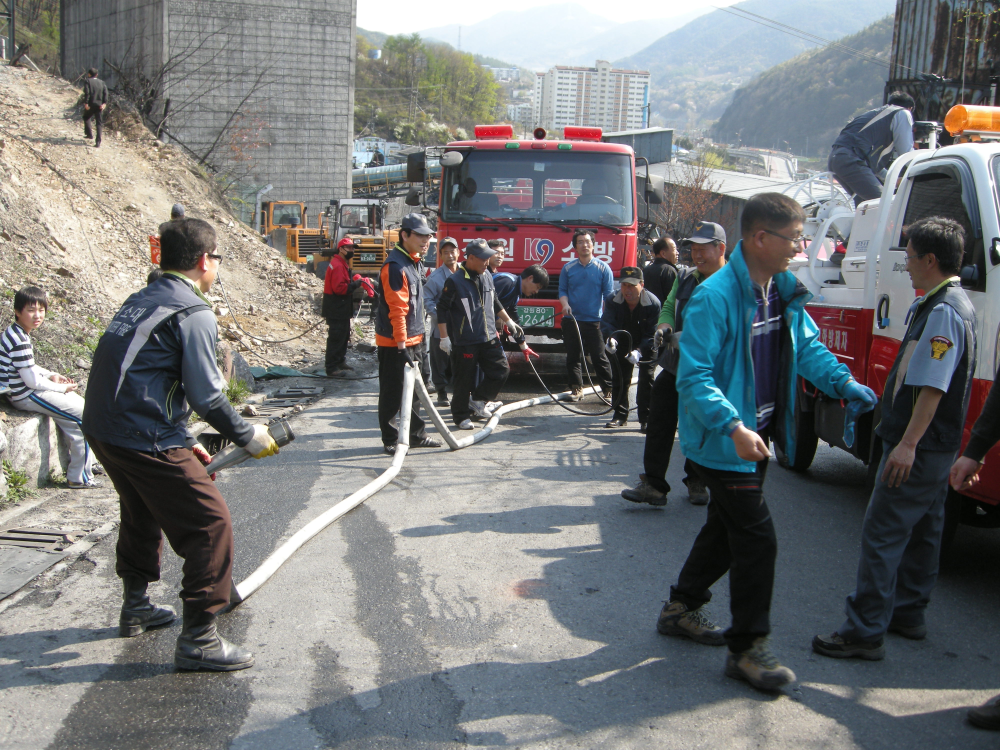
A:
<point x="535" y="194"/>
<point x="861" y="296"/>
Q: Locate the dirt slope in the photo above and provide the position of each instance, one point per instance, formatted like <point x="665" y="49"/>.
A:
<point x="87" y="244"/>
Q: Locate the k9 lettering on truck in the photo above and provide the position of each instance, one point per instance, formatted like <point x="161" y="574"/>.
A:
<point x="855" y="267"/>
<point x="534" y="194"/>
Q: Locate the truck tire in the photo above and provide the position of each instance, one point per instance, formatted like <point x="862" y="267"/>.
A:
<point x="806" y="442"/>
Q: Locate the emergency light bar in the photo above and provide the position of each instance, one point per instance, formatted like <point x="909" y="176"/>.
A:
<point x="575" y="133"/>
<point x="494" y="132"/>
<point x="966" y="117"/>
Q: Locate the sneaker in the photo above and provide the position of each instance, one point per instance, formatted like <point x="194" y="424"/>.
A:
<point x="479" y="409"/>
<point x="836" y="647"/>
<point x="644" y="492"/>
<point x="442" y="399"/>
<point x="616" y="423"/>
<point x="466" y="424"/>
<point x="697" y="492"/>
<point x="759" y="667"/>
<point x="575" y="393"/>
<point x="389" y="449"/>
<point x="425" y="442"/>
<point x="492" y="406"/>
<point x="986" y="716"/>
<point x="676" y="619"/>
<point x="606" y="395"/>
<point x="345" y="366"/>
<point x="93" y="484"/>
<point x="913" y="632"/>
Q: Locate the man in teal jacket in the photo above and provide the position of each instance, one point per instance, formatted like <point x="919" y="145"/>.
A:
<point x="747" y="339"/>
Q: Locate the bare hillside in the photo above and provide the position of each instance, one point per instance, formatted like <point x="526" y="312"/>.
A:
<point x="75" y="220"/>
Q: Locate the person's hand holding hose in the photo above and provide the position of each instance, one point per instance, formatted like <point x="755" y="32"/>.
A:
<point x="202" y="455"/>
<point x="261" y="444"/>
<point x="516" y="330"/>
<point x="660" y="336"/>
<point x="611" y="345"/>
<point x="633" y="356"/>
<point x="528" y="352"/>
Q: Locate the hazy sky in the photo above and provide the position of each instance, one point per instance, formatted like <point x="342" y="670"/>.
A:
<point x="406" y="16"/>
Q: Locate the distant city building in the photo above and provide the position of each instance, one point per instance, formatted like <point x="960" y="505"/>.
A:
<point x="521" y="114"/>
<point x="504" y="75"/>
<point x="601" y="96"/>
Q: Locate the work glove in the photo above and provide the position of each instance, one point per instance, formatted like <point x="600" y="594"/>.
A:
<point x="262" y="444"/>
<point x="446" y="344"/>
<point x="854" y="391"/>
<point x="516" y="330"/>
<point x="633" y="356"/>
<point x="611" y="345"/>
<point x="369" y="288"/>
<point x="528" y="353"/>
<point x="357" y="277"/>
<point x="202" y="455"/>
<point x="353" y="286"/>
<point x="660" y="336"/>
<point x="407" y="356"/>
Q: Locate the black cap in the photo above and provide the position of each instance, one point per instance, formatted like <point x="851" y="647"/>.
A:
<point x="631" y="275"/>
<point x="417" y="223"/>
<point x="479" y="249"/>
<point x="706" y="231"/>
<point x="449" y="241"/>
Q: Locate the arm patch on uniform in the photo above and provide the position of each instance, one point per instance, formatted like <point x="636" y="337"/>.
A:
<point x="940" y="346"/>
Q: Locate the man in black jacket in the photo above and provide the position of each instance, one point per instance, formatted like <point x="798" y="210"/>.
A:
<point x="156" y="361"/>
<point x="660" y="274"/>
<point x="629" y="324"/>
<point x="95" y="99"/>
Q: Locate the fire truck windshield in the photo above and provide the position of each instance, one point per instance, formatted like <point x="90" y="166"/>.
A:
<point x="564" y="186"/>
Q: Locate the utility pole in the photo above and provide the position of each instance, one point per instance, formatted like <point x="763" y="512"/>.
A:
<point x="8" y="15"/>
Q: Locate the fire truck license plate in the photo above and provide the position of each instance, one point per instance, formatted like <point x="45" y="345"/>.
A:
<point x="536" y="316"/>
<point x="367" y="257"/>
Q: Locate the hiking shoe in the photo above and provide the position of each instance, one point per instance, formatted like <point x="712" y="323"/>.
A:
<point x="575" y="393"/>
<point x="479" y="409"/>
<point x="616" y="423"/>
<point x="466" y="424"/>
<point x="676" y="619"/>
<point x="606" y="395"/>
<point x="697" y="492"/>
<point x="759" y="667"/>
<point x="92" y="484"/>
<point x="913" y="632"/>
<point x="986" y="716"/>
<point x="425" y="442"/>
<point x="836" y="647"/>
<point x="442" y="400"/>
<point x="644" y="492"/>
<point x="431" y="388"/>
<point x="389" y="449"/>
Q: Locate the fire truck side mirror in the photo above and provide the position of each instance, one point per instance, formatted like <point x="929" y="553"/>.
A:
<point x="970" y="277"/>
<point x="451" y="159"/>
<point x="995" y="252"/>
<point x="652" y="197"/>
<point x="412" y="197"/>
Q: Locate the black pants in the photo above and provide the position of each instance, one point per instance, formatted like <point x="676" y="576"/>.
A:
<point x="661" y="427"/>
<point x="336" y="342"/>
<point x="620" y="385"/>
<point x="492" y="365"/>
<point x="440" y="365"/>
<point x="593" y="344"/>
<point x="98" y="116"/>
<point x="390" y="392"/>
<point x="737" y="537"/>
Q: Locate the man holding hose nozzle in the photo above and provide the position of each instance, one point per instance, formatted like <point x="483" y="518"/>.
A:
<point x="708" y="254"/>
<point x="468" y="309"/>
<point x="156" y="361"/>
<point x="629" y="325"/>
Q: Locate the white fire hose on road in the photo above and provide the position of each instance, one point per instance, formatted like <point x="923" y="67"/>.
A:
<point x="411" y="381"/>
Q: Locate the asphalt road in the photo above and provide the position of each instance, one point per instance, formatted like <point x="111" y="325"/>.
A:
<point x="500" y="596"/>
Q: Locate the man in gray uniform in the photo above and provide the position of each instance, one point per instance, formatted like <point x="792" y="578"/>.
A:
<point x="95" y="99"/>
<point x="156" y="361"/>
<point x="924" y="404"/>
<point x="868" y="144"/>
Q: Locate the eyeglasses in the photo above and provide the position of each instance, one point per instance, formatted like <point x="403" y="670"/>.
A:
<point x="913" y="257"/>
<point x="794" y="240"/>
<point x="213" y="256"/>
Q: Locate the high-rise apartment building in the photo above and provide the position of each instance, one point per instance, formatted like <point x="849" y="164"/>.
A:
<point x="601" y="96"/>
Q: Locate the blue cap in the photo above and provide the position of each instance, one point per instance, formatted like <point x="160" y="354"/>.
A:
<point x="479" y="249"/>
<point x="417" y="223"/>
<point x="706" y="231"/>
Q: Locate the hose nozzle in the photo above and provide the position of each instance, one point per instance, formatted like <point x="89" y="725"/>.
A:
<point x="231" y="455"/>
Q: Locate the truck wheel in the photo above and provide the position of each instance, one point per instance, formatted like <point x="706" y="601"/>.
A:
<point x="806" y="442"/>
<point x="953" y="506"/>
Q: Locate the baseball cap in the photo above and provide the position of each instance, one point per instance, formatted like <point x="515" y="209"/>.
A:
<point x="479" y="249"/>
<point x="417" y="223"/>
<point x="177" y="211"/>
<point x="631" y="275"/>
<point x="449" y="241"/>
<point x="345" y="241"/>
<point x="706" y="231"/>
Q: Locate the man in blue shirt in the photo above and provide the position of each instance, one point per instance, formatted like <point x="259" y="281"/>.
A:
<point x="584" y="284"/>
<point x="440" y="361"/>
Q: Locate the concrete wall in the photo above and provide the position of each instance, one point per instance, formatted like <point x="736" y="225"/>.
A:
<point x="292" y="61"/>
<point x="92" y="31"/>
<point x="289" y="64"/>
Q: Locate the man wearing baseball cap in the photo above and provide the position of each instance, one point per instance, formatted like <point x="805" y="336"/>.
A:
<point x="629" y="324"/>
<point x="440" y="361"/>
<point x="467" y="313"/>
<point x="399" y="329"/>
<point x="338" y="308"/>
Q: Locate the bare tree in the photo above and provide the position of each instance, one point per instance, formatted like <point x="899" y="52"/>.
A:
<point x="688" y="198"/>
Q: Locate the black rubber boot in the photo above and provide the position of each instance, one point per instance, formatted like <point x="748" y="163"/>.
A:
<point x="201" y="647"/>
<point x="138" y="613"/>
